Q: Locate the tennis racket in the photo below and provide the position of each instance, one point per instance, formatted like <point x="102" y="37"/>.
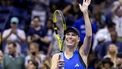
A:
<point x="59" y="27"/>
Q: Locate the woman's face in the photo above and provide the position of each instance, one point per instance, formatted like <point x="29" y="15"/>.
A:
<point x="13" y="26"/>
<point x="112" y="48"/>
<point x="71" y="39"/>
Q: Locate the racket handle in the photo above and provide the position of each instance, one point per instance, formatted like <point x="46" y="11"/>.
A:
<point x="61" y="58"/>
<point x="61" y="67"/>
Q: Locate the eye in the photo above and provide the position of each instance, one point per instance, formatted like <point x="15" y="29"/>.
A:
<point x="68" y="34"/>
<point x="73" y="34"/>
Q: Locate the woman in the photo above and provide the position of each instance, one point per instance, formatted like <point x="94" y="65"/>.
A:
<point x="112" y="54"/>
<point x="71" y="54"/>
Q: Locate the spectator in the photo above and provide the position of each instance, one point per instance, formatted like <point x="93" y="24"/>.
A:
<point x="34" y="54"/>
<point x="117" y="18"/>
<point x="98" y="14"/>
<point x="72" y="13"/>
<point x="107" y="64"/>
<point x="39" y="8"/>
<point x="104" y="32"/>
<point x="101" y="48"/>
<point x="116" y="5"/>
<point x="14" y="34"/>
<point x="47" y="63"/>
<point x="32" y="64"/>
<point x="37" y="33"/>
<point x="112" y="54"/>
<point x="80" y="25"/>
<point x="13" y="60"/>
<point x="49" y="29"/>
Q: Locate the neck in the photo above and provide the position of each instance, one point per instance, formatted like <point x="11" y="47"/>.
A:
<point x="69" y="52"/>
<point x="13" y="28"/>
<point x="13" y="54"/>
<point x="112" y="54"/>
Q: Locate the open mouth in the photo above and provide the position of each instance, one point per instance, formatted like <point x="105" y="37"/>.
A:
<point x="70" y="41"/>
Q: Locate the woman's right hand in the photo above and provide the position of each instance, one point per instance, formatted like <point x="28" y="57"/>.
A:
<point x="60" y="64"/>
<point x="84" y="6"/>
<point x="57" y="62"/>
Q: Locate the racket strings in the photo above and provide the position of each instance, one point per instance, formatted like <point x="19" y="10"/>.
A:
<point x="59" y="27"/>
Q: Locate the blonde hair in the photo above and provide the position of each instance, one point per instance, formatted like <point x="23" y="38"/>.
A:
<point x="112" y="45"/>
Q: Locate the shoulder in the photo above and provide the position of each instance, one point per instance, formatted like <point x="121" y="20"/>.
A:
<point x="20" y="30"/>
<point x="116" y="3"/>
<point x="7" y="31"/>
<point x="101" y="32"/>
<point x="107" y="56"/>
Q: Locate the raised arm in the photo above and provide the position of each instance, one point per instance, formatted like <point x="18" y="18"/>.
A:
<point x="85" y="48"/>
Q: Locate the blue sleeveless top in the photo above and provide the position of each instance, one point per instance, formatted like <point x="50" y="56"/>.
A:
<point x="74" y="62"/>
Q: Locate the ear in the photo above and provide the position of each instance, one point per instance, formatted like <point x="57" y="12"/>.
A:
<point x="78" y="39"/>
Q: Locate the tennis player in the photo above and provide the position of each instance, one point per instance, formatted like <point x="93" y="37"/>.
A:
<point x="75" y="58"/>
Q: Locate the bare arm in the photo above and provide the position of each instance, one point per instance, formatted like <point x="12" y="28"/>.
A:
<point x="45" y="39"/>
<point x="22" y="39"/>
<point x="85" y="48"/>
<point x="19" y="34"/>
<point x="4" y="36"/>
<point x="87" y="40"/>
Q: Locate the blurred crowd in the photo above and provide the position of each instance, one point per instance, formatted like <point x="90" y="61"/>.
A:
<point x="27" y="37"/>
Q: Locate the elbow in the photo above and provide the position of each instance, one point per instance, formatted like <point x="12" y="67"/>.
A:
<point x="89" y="37"/>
